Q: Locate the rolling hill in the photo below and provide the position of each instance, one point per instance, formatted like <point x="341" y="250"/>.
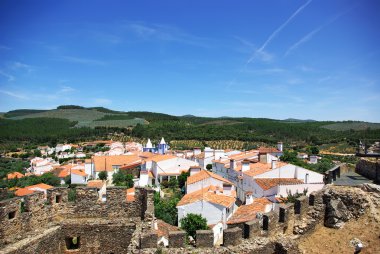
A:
<point x="75" y="122"/>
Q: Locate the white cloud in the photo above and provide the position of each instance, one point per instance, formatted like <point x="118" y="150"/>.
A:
<point x="4" y="47"/>
<point x="18" y="65"/>
<point x="80" y="60"/>
<point x="166" y="33"/>
<point x="102" y="101"/>
<point x="15" y="95"/>
<point x="66" y="89"/>
<point x="8" y="76"/>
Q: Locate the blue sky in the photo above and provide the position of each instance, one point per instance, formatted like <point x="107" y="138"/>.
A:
<point x="275" y="59"/>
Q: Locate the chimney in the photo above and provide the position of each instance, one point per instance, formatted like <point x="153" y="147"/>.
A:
<point x="227" y="188"/>
<point x="218" y="154"/>
<point x="248" y="198"/>
<point x="208" y="152"/>
<point x="194" y="170"/>
<point x="245" y="165"/>
<point x="197" y="151"/>
<point x="279" y="146"/>
<point x="274" y="163"/>
<point x="232" y="164"/>
<point x="263" y="158"/>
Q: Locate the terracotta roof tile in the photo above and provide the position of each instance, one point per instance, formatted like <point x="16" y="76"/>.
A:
<point x="263" y="150"/>
<point x="79" y="172"/>
<point x="260" y="168"/>
<point x="15" y="175"/>
<point x="204" y="174"/>
<point x="95" y="183"/>
<point x="208" y="195"/>
<point x="130" y="194"/>
<point x="32" y="188"/>
<point x="106" y="162"/>
<point x="23" y="192"/>
<point x="162" y="157"/>
<point x="163" y="228"/>
<point x="268" y="183"/>
<point x="246" y="213"/>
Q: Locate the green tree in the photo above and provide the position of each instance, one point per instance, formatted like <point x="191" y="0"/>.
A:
<point x="121" y="178"/>
<point x="173" y="183"/>
<point x="182" y="178"/>
<point x="166" y="209"/>
<point x="37" y="153"/>
<point x="68" y="179"/>
<point x="193" y="222"/>
<point x="312" y="150"/>
<point x="50" y="179"/>
<point x="289" y="156"/>
<point x="209" y="167"/>
<point x="103" y="175"/>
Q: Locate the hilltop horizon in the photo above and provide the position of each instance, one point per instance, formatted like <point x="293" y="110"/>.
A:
<point x="289" y="119"/>
<point x="301" y="59"/>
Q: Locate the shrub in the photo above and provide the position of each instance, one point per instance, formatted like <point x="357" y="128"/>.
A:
<point x="103" y="175"/>
<point x="193" y="222"/>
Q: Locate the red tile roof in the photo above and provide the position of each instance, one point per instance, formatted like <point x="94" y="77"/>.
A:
<point x="268" y="183"/>
<point x="163" y="228"/>
<point x="130" y="194"/>
<point x="106" y="162"/>
<point x="32" y="188"/>
<point x="264" y="150"/>
<point x="162" y="157"/>
<point x="15" y="175"/>
<point x="207" y="194"/>
<point x="260" y="168"/>
<point x="95" y="183"/>
<point x="79" y="172"/>
<point x="246" y="213"/>
<point x="204" y="174"/>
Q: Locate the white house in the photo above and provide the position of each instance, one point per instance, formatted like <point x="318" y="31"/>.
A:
<point x="250" y="210"/>
<point x="110" y="164"/>
<point x="78" y="176"/>
<point x="165" y="166"/>
<point x="276" y="179"/>
<point x="203" y="179"/>
<point x="62" y="147"/>
<point x="209" y="202"/>
<point x="207" y="156"/>
<point x="40" y="165"/>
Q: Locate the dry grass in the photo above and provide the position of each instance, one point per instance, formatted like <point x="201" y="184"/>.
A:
<point x="327" y="240"/>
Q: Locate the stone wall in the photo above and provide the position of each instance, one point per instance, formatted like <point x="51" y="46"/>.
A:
<point x="204" y="238"/>
<point x="36" y="225"/>
<point x="369" y="169"/>
<point x="232" y="236"/>
<point x="110" y="224"/>
<point x="177" y="239"/>
<point x="97" y="236"/>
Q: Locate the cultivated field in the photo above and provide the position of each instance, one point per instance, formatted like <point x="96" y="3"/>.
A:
<point x="86" y="117"/>
<point x="357" y="126"/>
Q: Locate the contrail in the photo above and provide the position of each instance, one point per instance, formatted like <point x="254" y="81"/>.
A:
<point x="274" y="34"/>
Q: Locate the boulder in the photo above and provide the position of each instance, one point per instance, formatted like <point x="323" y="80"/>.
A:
<point x="336" y="214"/>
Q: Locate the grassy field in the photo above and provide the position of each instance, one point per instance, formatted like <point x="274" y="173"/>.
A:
<point x="116" y="123"/>
<point x="342" y="147"/>
<point x="87" y="117"/>
<point x="357" y="126"/>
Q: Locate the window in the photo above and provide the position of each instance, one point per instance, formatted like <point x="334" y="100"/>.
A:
<point x="58" y="198"/>
<point x="72" y="243"/>
<point x="11" y="215"/>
